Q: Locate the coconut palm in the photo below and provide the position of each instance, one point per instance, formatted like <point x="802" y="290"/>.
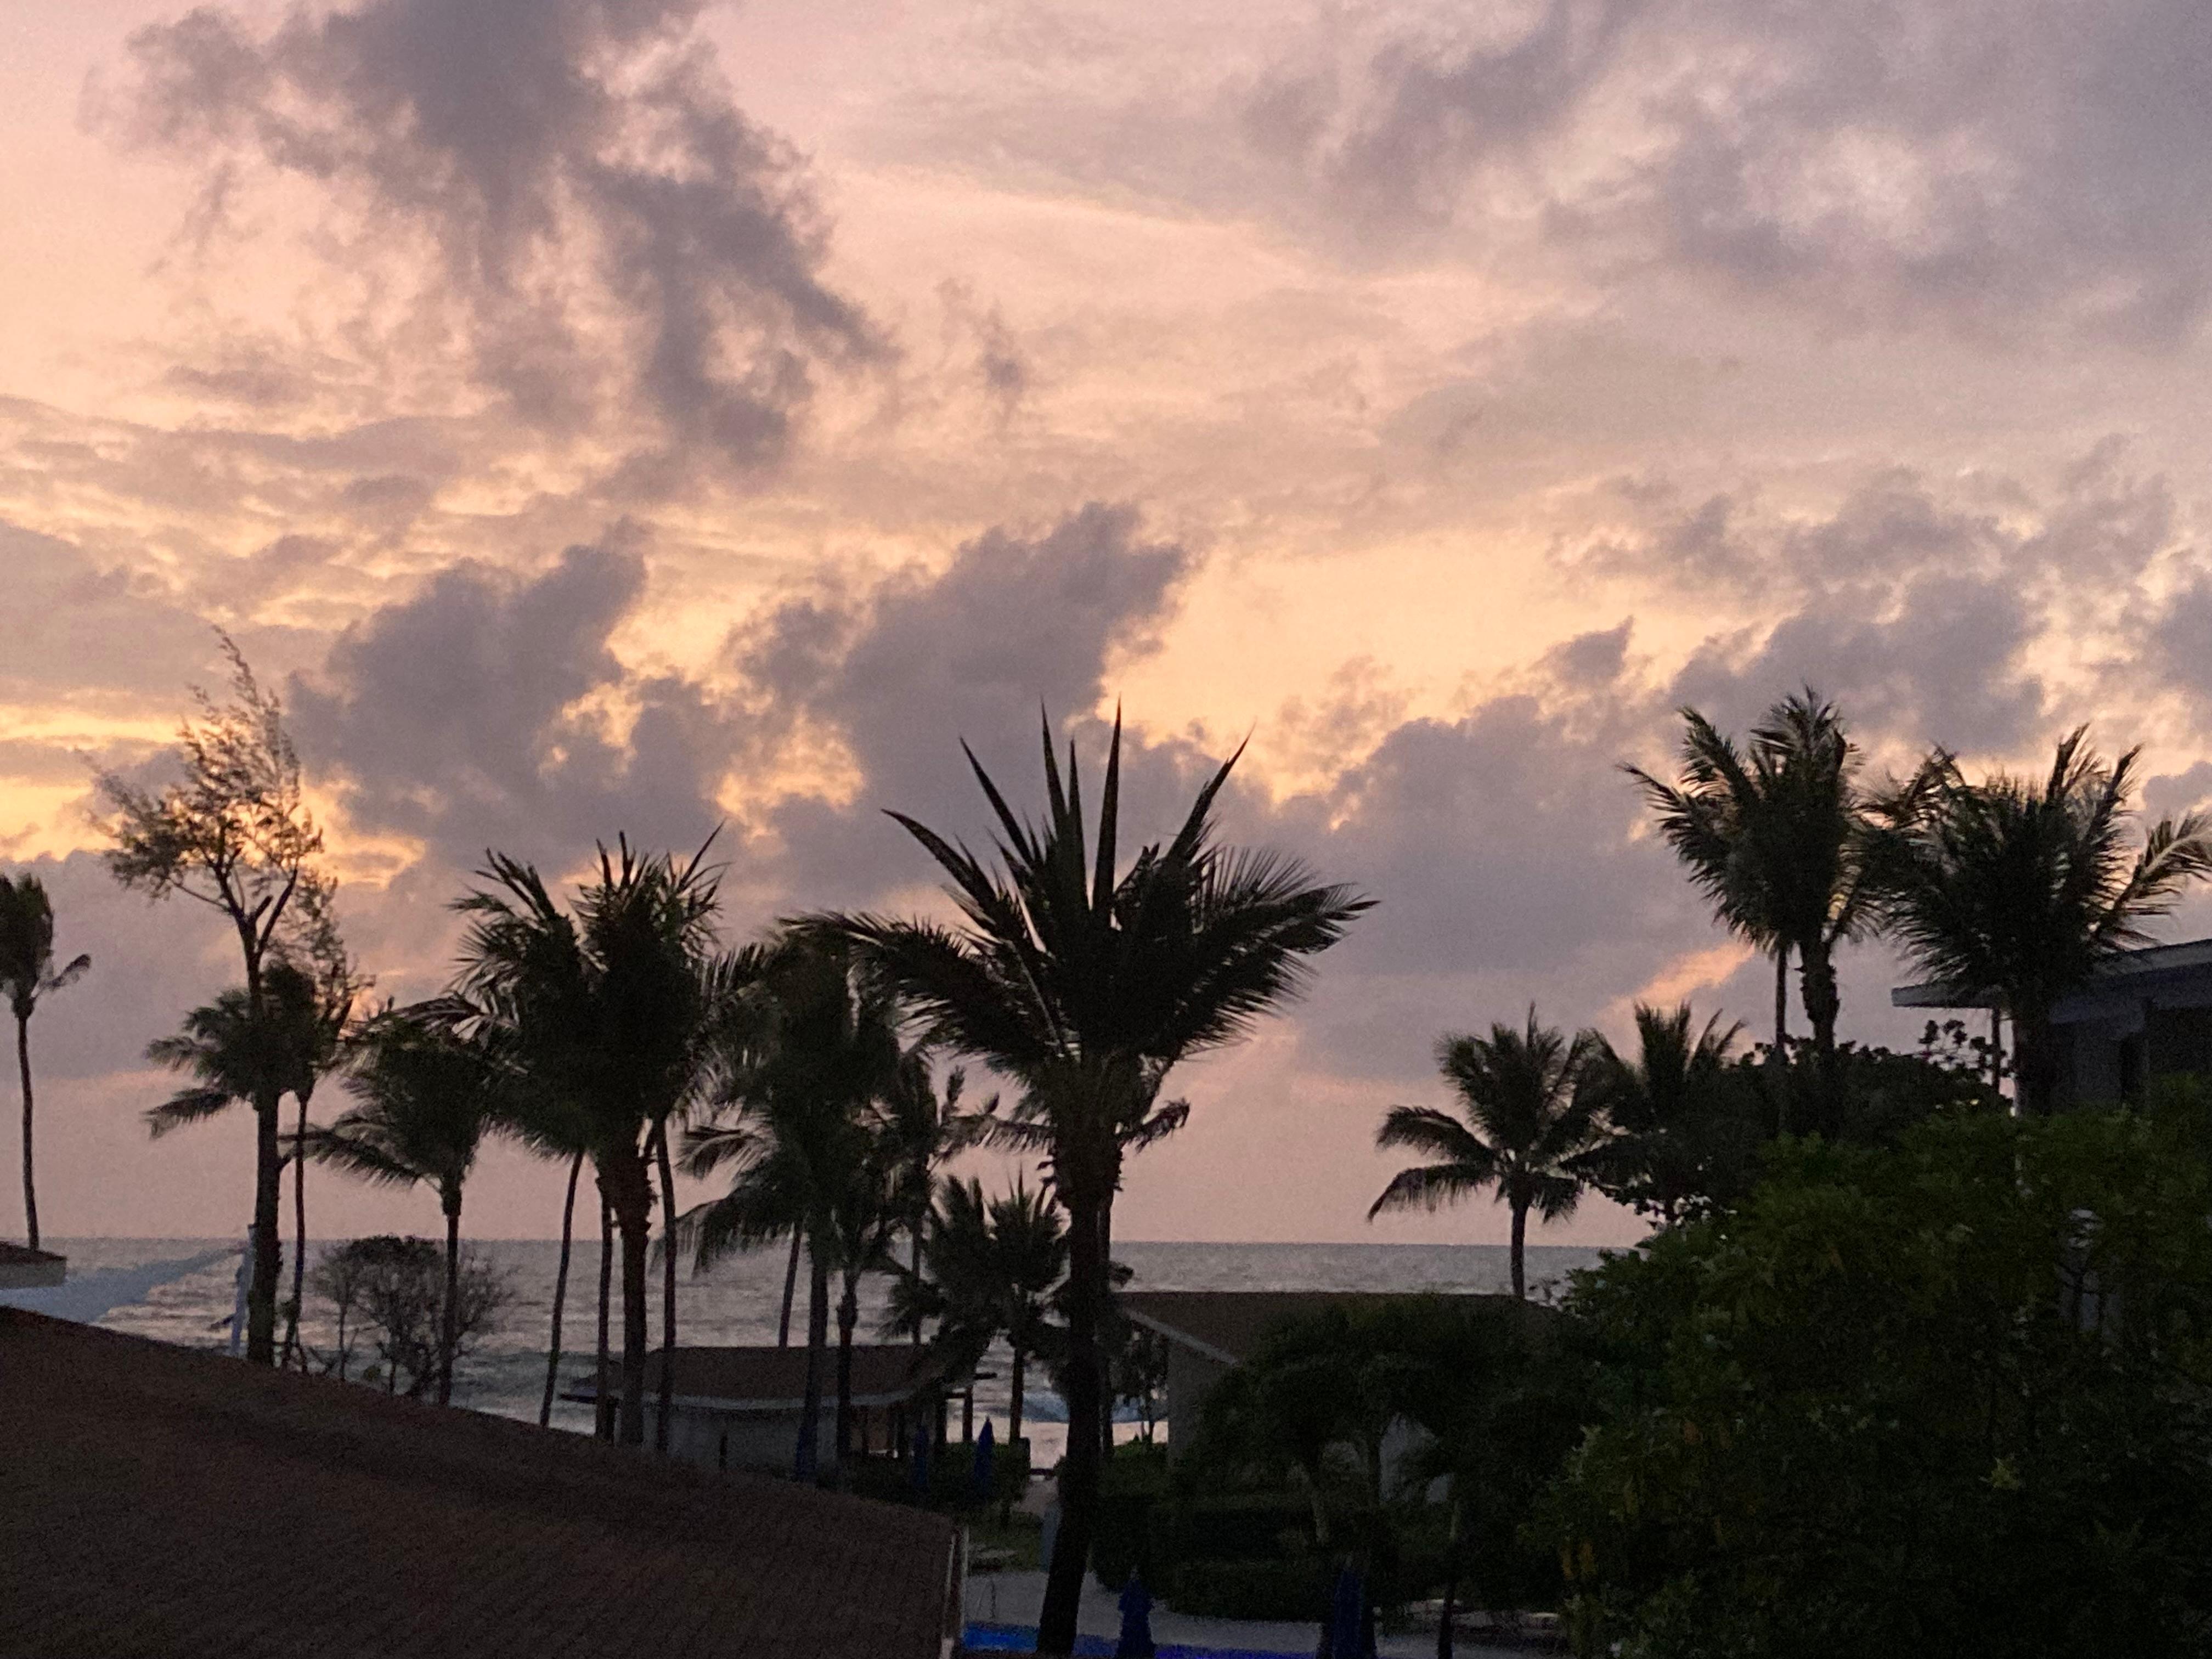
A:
<point x="923" y="1126"/>
<point x="233" y="1056"/>
<point x="1085" y="980"/>
<point x="1775" y="834"/>
<point x="2014" y="890"/>
<point x="1666" y="1105"/>
<point x="1528" y="1134"/>
<point x="992" y="1268"/>
<point x="27" y="974"/>
<point x="316" y="1047"/>
<point x="615" y="1008"/>
<point x="425" y="1098"/>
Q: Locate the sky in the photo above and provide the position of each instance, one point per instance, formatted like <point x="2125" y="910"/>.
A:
<point x="639" y="416"/>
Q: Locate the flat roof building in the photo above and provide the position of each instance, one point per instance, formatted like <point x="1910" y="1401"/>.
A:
<point x="160" y="1501"/>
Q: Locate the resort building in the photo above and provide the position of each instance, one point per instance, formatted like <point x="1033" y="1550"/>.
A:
<point x="741" y="1407"/>
<point x="158" y="1500"/>
<point x="23" y="1268"/>
<point x="2148" y="1013"/>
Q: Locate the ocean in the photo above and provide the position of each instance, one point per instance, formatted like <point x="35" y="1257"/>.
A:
<point x="184" y="1290"/>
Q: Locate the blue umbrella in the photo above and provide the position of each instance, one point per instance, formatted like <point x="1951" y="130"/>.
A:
<point x="980" y="1471"/>
<point x="1136" y="1641"/>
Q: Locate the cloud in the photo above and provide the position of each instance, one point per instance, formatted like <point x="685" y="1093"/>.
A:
<point x="71" y="611"/>
<point x="1975" y="164"/>
<point x="605" y="227"/>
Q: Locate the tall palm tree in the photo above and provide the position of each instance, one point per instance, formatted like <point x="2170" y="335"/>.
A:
<point x="810" y="1049"/>
<point x="1663" y="1105"/>
<point x="1529" y="1131"/>
<point x="425" y="1098"/>
<point x="1775" y="834"/>
<point x="2016" y="891"/>
<point x="315" y="1047"/>
<point x="923" y="1126"/>
<point x="27" y="974"/>
<point x="616" y="1008"/>
<point x="1085" y="980"/>
<point x="993" y="1267"/>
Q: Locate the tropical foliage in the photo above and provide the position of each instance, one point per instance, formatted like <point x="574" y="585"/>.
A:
<point x="28" y="974"/>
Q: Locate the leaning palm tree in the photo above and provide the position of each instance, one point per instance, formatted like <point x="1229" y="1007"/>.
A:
<point x="1663" y="1105"/>
<point x="27" y="974"/>
<point x="1084" y="979"/>
<point x="615" y="1008"/>
<point x="1775" y="835"/>
<point x="1529" y="1131"/>
<point x="2015" y="891"/>
<point x="425" y="1098"/>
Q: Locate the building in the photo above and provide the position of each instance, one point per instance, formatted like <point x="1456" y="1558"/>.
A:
<point x="1209" y="1332"/>
<point x="159" y="1501"/>
<point x="2147" y="1013"/>
<point x="741" y="1407"/>
<point x="23" y="1268"/>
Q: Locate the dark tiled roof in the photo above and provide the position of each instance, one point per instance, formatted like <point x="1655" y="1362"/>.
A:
<point x="775" y="1379"/>
<point x="1228" y="1325"/>
<point x="157" y="1501"/>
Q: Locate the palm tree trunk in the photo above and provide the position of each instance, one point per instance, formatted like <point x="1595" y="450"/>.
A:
<point x="667" y="1288"/>
<point x="292" y="1344"/>
<point x="634" y="1221"/>
<point x="790" y="1286"/>
<point x="603" y="1400"/>
<point x="1781" y="999"/>
<point x="449" y="1316"/>
<point x="807" y="1461"/>
<point x="560" y="1294"/>
<point x="1519" y="1250"/>
<point x="848" y="1314"/>
<point x="30" y="1186"/>
<point x="1014" y="1403"/>
<point x="2034" y="1062"/>
<point x="268" y="1237"/>
<point x="915" y="1254"/>
<point x="1823" y="1002"/>
<point x="1087" y="1203"/>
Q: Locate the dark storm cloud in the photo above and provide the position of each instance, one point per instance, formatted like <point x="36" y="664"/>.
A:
<point x="1976" y="162"/>
<point x="576" y="166"/>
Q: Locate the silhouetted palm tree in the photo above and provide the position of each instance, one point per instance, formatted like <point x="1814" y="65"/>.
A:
<point x="27" y="974"/>
<point x="1529" y="1130"/>
<point x="992" y="1268"/>
<point x="617" y="1010"/>
<point x="2016" y="891"/>
<point x="1085" y="982"/>
<point x="1775" y="835"/>
<point x="426" y="1097"/>
<point x="315" y="1048"/>
<point x="1663" y="1105"/>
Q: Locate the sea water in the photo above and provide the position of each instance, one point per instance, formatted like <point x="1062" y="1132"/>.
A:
<point x="184" y="1290"/>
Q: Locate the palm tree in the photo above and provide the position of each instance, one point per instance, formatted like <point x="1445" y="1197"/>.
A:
<point x="994" y="1268"/>
<point x="553" y="1127"/>
<point x="1775" y="835"/>
<point x="810" y="1049"/>
<point x="615" y="1008"/>
<point x="315" y="1047"/>
<point x="923" y="1127"/>
<point x="1530" y="1133"/>
<point x="28" y="973"/>
<point x="1085" y="983"/>
<point x="1663" y="1106"/>
<point x="2015" y="891"/>
<point x="426" y="1097"/>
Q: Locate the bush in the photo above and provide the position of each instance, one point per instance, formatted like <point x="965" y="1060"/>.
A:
<point x="1291" y="1589"/>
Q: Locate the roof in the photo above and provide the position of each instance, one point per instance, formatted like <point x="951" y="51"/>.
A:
<point x="2131" y="972"/>
<point x="154" y="1500"/>
<point x="773" y="1379"/>
<point x="1228" y="1325"/>
<point x="23" y="1268"/>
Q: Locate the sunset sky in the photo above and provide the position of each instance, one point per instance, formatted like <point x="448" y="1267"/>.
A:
<point x="603" y="416"/>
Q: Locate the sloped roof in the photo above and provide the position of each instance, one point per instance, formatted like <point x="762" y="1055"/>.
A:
<point x="159" y="1501"/>
<point x="769" y="1379"/>
<point x="1228" y="1325"/>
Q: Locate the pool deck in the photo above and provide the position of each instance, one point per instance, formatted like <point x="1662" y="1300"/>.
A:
<point x="1016" y="1598"/>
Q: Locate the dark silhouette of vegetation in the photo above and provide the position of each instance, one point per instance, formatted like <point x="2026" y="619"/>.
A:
<point x="1085" y="980"/>
<point x="1775" y="834"/>
<point x="1676" y="1113"/>
<point x="423" y="1310"/>
<point x="992" y="1268"/>
<point x="1530" y="1132"/>
<point x="425" y="1097"/>
<point x="2015" y="890"/>
<point x="28" y="974"/>
<point x="235" y="835"/>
